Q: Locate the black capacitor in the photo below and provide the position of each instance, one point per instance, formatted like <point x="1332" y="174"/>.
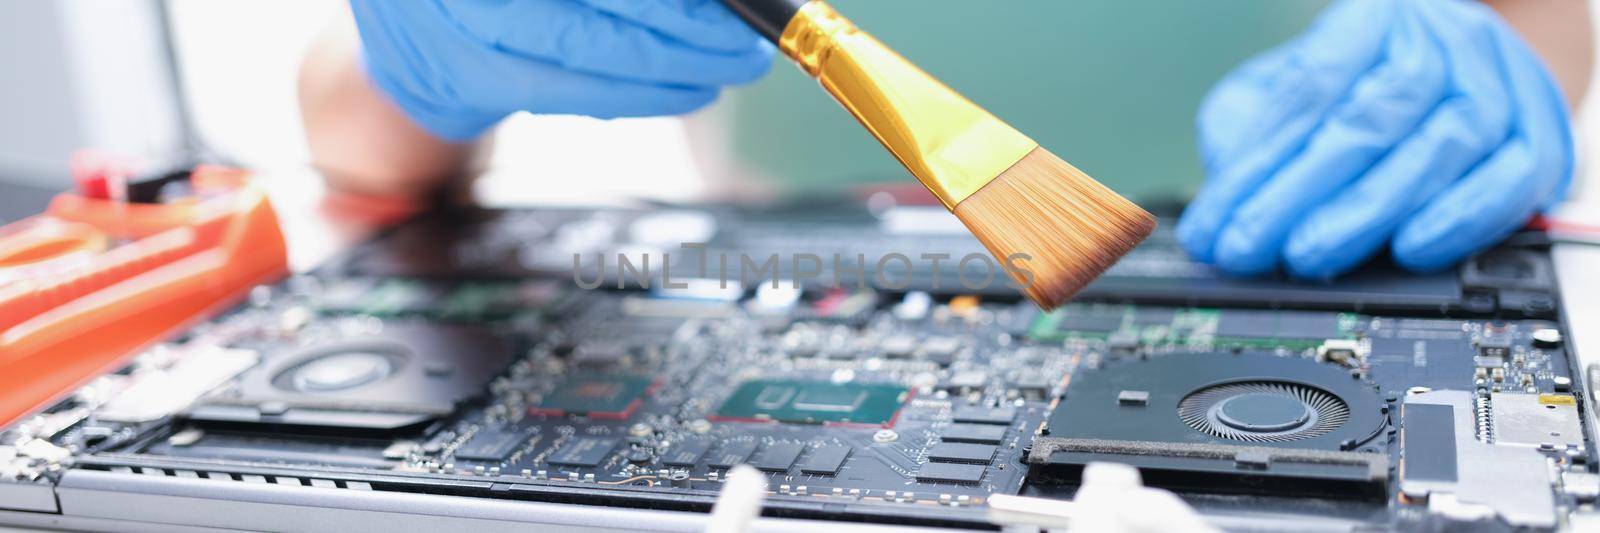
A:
<point x="639" y="455"/>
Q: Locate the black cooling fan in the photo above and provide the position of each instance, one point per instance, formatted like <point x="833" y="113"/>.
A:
<point x="1246" y="399"/>
<point x="408" y="374"/>
<point x="1263" y="411"/>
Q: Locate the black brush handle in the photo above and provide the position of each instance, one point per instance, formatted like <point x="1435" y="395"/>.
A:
<point x="769" y="17"/>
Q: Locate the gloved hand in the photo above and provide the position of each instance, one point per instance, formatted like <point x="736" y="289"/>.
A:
<point x="459" y="66"/>
<point x="1426" y="125"/>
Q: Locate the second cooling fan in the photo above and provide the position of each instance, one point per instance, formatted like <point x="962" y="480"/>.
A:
<point x="1247" y="399"/>
<point x="1247" y="423"/>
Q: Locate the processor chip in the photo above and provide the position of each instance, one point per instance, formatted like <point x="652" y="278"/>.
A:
<point x="596" y="396"/>
<point x="491" y="444"/>
<point x="686" y="454"/>
<point x="813" y="402"/>
<point x="733" y="453"/>
<point x="587" y="452"/>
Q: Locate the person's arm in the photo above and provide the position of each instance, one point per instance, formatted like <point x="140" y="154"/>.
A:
<point x="360" y="141"/>
<point x="431" y="72"/>
<point x="1560" y="32"/>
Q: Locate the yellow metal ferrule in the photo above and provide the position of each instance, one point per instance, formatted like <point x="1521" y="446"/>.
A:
<point x="950" y="144"/>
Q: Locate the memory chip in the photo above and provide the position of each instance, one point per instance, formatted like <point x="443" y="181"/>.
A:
<point x="1307" y="325"/>
<point x="733" y="453"/>
<point x="596" y="395"/>
<point x="940" y="350"/>
<point x="778" y="456"/>
<point x="1032" y="386"/>
<point x="969" y="379"/>
<point x="584" y="452"/>
<point x="686" y="453"/>
<point x="1154" y="316"/>
<point x="974" y="433"/>
<point x="1090" y="322"/>
<point x="950" y="473"/>
<point x="1247" y="324"/>
<point x="825" y="460"/>
<point x="1123" y="342"/>
<point x="977" y="414"/>
<point x="813" y="402"/>
<point x="490" y="444"/>
<point x="1244" y="324"/>
<point x="598" y="354"/>
<point x="1489" y="361"/>
<point x="960" y="452"/>
<point x="1494" y="346"/>
<point x="1077" y="321"/>
<point x="898" y="346"/>
<point x="1021" y="318"/>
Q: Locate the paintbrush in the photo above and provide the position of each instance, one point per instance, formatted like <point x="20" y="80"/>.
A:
<point x="1052" y="226"/>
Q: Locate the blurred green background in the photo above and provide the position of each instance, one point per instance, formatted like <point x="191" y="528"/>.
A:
<point x="1110" y="85"/>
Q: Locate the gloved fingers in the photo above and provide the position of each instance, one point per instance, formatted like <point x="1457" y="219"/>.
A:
<point x="588" y="40"/>
<point x="611" y="98"/>
<point x="1476" y="212"/>
<point x="1247" y="105"/>
<point x="706" y="24"/>
<point x="1346" y="39"/>
<point x="1305" y="76"/>
<point x="1345" y="232"/>
<point x="1235" y="176"/>
<point x="1213" y="206"/>
<point x="379" y="25"/>
<point x="508" y="82"/>
<point x="1466" y="127"/>
<point x="1383" y="107"/>
<point x="389" y="33"/>
<point x="1544" y="116"/>
<point x="1528" y="172"/>
<point x="1261" y="115"/>
<point x="445" y="63"/>
<point x="539" y="87"/>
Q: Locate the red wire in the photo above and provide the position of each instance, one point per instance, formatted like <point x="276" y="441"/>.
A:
<point x="1546" y="223"/>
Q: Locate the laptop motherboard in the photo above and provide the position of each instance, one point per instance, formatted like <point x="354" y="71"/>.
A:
<point x="460" y="354"/>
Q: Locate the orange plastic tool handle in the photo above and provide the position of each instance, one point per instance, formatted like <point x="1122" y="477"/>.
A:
<point x="187" y="260"/>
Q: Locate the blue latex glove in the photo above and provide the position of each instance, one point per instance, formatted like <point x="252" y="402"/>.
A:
<point x="1426" y="125"/>
<point x="459" y="66"/>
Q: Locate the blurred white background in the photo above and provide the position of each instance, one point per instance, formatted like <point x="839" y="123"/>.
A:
<point x="79" y="73"/>
<point x="240" y="58"/>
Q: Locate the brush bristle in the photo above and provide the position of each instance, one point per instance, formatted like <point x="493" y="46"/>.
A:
<point x="1070" y="226"/>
